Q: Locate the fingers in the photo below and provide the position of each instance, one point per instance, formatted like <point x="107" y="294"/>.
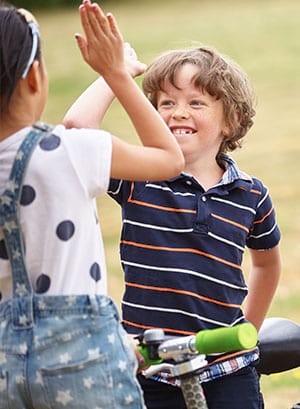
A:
<point x="102" y="47"/>
<point x="85" y="16"/>
<point x="98" y="19"/>
<point x="82" y="46"/>
<point x="129" y="51"/>
<point x="114" y="26"/>
<point x="133" y="65"/>
<point x="93" y="20"/>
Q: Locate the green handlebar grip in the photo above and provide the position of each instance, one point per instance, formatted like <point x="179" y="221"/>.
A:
<point x="239" y="337"/>
<point x="145" y="352"/>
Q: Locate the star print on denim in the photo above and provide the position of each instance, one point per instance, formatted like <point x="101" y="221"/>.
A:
<point x="16" y="254"/>
<point x="5" y="200"/>
<point x="88" y="382"/>
<point x="94" y="353"/>
<point x="23" y="320"/>
<point x="64" y="397"/>
<point x="128" y="400"/>
<point x="71" y="300"/>
<point x="122" y="366"/>
<point x="9" y="226"/>
<point x="11" y="186"/>
<point x="65" y="358"/>
<point x="19" y="156"/>
<point x="39" y="379"/>
<point x="21" y="289"/>
<point x="2" y="358"/>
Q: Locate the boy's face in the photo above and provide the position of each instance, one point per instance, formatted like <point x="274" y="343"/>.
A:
<point x="195" y="117"/>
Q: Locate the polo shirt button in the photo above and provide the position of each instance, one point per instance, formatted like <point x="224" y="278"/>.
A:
<point x="203" y="198"/>
<point x="188" y="182"/>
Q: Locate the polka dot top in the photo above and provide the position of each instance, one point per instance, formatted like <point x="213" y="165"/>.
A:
<point x="63" y="244"/>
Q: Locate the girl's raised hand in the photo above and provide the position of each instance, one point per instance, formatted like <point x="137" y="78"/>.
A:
<point x="102" y="48"/>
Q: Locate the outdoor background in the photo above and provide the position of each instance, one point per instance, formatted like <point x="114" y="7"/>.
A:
<point x="263" y="36"/>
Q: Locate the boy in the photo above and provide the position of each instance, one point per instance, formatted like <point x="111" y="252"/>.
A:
<point x="183" y="240"/>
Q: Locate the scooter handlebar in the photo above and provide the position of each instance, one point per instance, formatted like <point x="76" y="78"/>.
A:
<point x="239" y="337"/>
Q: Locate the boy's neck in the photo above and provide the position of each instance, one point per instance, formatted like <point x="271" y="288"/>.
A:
<point x="208" y="175"/>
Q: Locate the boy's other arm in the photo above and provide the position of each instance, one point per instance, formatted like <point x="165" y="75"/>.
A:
<point x="262" y="283"/>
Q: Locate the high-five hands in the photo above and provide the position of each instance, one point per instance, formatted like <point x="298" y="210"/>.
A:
<point x="103" y="47"/>
<point x="133" y="65"/>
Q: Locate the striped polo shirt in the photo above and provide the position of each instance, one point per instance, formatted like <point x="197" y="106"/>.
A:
<point x="182" y="248"/>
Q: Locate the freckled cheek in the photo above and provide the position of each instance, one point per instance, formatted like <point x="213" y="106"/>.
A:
<point x="165" y="116"/>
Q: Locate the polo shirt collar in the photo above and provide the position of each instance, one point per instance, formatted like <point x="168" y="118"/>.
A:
<point x="232" y="172"/>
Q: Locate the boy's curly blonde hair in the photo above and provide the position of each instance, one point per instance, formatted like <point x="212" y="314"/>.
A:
<point x="219" y="76"/>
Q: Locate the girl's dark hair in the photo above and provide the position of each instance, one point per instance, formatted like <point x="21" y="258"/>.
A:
<point x="219" y="76"/>
<point x="15" y="48"/>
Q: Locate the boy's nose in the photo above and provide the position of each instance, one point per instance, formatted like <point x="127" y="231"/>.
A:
<point x="180" y="112"/>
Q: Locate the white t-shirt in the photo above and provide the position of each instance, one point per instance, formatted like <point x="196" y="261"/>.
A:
<point x="63" y="243"/>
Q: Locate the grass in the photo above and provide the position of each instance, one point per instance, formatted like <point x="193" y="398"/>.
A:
<point x="263" y="37"/>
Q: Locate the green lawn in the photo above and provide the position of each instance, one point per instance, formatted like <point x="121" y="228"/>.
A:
<point x="263" y="37"/>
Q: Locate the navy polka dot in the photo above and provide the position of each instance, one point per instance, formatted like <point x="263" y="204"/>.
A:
<point x="65" y="230"/>
<point x="27" y="195"/>
<point x="3" y="251"/>
<point x="95" y="272"/>
<point x="50" y="143"/>
<point x="42" y="284"/>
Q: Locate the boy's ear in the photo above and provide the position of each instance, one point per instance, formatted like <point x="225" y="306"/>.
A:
<point x="226" y="131"/>
<point x="34" y="77"/>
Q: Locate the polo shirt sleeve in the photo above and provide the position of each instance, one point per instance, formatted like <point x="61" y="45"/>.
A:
<point x="265" y="233"/>
<point x="119" y="190"/>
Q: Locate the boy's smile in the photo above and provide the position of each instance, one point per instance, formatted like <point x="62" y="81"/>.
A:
<point x="181" y="131"/>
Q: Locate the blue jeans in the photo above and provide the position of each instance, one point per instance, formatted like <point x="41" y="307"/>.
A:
<point x="74" y="355"/>
<point x="237" y="391"/>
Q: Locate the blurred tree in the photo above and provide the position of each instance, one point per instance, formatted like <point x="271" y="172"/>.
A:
<point x="42" y="4"/>
<point x="49" y="4"/>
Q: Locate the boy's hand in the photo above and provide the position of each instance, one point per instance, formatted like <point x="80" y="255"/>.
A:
<point x="133" y="65"/>
<point x="102" y="48"/>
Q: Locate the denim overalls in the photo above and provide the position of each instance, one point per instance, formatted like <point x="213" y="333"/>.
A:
<point x="58" y="351"/>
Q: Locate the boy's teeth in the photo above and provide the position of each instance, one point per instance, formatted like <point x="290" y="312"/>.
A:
<point x="182" y="131"/>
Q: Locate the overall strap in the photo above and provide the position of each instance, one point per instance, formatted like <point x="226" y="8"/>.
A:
<point x="9" y="204"/>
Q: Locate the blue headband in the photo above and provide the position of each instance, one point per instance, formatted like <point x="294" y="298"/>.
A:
<point x="35" y="40"/>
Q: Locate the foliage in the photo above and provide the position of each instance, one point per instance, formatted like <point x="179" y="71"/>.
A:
<point x="42" y="4"/>
<point x="49" y="4"/>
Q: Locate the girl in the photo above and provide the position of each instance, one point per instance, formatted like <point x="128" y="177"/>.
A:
<point x="60" y="339"/>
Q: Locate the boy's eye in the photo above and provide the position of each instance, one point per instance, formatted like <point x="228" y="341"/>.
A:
<point x="166" y="103"/>
<point x="196" y="103"/>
